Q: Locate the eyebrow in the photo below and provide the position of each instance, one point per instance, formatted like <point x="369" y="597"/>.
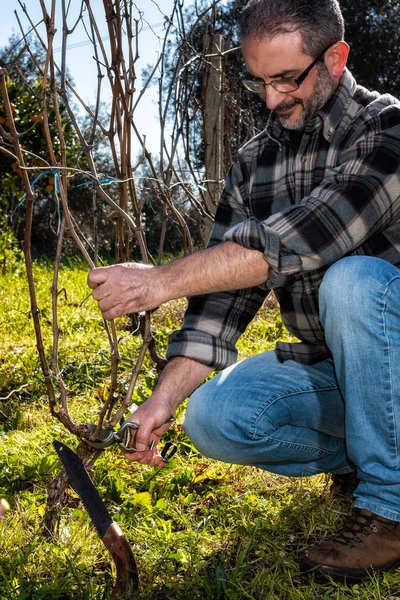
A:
<point x="277" y="75"/>
<point x="283" y="73"/>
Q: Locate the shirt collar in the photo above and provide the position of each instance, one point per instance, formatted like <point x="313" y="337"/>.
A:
<point x="332" y="112"/>
<point x="327" y="118"/>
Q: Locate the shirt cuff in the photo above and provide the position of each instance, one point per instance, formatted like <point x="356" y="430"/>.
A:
<point x="255" y="235"/>
<point x="201" y="347"/>
<point x="305" y="354"/>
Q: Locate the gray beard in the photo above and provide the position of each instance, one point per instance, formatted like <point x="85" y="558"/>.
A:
<point x="324" y="88"/>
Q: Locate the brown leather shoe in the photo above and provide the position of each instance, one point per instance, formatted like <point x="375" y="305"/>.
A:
<point x="368" y="544"/>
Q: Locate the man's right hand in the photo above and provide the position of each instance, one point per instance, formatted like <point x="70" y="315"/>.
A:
<point x="179" y="379"/>
<point x="153" y="418"/>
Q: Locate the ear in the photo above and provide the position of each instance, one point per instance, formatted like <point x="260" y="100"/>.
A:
<point x="336" y="58"/>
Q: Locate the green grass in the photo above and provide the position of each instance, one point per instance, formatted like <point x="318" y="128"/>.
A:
<point x="199" y="529"/>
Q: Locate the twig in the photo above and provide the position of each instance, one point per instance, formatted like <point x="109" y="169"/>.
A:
<point x="15" y="391"/>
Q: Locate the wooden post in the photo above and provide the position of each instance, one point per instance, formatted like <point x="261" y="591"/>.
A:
<point x="213" y="122"/>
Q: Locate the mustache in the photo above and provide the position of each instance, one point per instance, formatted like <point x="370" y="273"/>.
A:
<point x="287" y="105"/>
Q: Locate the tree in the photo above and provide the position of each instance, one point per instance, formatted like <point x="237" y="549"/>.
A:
<point x="372" y="30"/>
<point x="245" y="114"/>
<point x="24" y="84"/>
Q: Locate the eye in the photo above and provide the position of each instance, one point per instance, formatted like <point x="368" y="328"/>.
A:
<point x="285" y="78"/>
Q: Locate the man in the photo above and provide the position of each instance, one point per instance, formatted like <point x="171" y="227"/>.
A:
<point x="311" y="210"/>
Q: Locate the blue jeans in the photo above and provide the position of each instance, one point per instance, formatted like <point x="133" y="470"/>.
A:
<point x="334" y="416"/>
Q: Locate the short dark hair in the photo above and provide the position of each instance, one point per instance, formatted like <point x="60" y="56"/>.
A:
<point x="320" y="22"/>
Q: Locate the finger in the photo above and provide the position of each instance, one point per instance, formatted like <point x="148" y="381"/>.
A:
<point x="110" y="316"/>
<point x="142" y="457"/>
<point x="97" y="276"/>
<point x="112" y="308"/>
<point x="106" y="303"/>
<point x="146" y="458"/>
<point x="158" y="460"/>
<point x="159" y="432"/>
<point x="134" y="456"/>
<point x="99" y="292"/>
<point x="109" y="311"/>
<point x="137" y="444"/>
<point x="143" y="438"/>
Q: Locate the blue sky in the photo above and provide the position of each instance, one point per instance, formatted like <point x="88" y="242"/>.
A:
<point x="79" y="55"/>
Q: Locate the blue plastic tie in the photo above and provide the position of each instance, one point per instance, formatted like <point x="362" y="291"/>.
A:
<point x="105" y="181"/>
<point x="48" y="172"/>
<point x="53" y="172"/>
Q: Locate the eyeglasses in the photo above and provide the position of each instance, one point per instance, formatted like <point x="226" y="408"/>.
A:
<point x="285" y="85"/>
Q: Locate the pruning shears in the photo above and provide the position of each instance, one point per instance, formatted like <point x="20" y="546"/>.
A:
<point x="123" y="436"/>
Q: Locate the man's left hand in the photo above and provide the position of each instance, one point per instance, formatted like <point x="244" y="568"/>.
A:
<point x="125" y="288"/>
<point x="133" y="287"/>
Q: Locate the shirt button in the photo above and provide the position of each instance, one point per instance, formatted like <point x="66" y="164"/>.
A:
<point x="303" y="159"/>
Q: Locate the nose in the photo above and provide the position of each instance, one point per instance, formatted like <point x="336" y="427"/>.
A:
<point x="272" y="98"/>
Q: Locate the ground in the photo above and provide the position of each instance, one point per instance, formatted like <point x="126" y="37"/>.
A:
<point x="199" y="529"/>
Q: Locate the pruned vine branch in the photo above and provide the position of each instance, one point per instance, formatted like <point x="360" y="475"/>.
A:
<point x="172" y="182"/>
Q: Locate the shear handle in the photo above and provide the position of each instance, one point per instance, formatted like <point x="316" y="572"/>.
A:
<point x="124" y="435"/>
<point x="168" y="451"/>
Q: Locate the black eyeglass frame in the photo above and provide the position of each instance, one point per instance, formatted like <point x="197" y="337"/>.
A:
<point x="298" y="80"/>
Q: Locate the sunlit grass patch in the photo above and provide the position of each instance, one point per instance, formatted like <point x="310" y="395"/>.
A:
<point x="199" y="529"/>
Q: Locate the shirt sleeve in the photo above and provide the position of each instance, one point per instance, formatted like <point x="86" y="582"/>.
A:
<point x="356" y="199"/>
<point x="214" y="322"/>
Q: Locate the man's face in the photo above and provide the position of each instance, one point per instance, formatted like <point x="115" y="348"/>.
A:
<point x="282" y="57"/>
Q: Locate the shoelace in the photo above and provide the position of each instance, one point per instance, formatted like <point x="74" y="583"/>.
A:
<point x="360" y="524"/>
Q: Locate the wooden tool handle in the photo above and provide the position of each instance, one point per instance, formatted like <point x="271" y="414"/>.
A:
<point x="127" y="576"/>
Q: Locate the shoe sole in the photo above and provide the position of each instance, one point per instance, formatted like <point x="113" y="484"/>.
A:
<point x="350" y="576"/>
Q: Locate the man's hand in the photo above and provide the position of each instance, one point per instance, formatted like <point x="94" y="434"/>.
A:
<point x="132" y="287"/>
<point x="177" y="381"/>
<point x="151" y="418"/>
<point x="124" y="289"/>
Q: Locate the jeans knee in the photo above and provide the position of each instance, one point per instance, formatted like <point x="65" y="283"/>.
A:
<point x="200" y="422"/>
<point x="216" y="422"/>
<point x="351" y="283"/>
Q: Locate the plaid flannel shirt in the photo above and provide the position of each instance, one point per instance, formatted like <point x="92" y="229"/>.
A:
<point x="304" y="199"/>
